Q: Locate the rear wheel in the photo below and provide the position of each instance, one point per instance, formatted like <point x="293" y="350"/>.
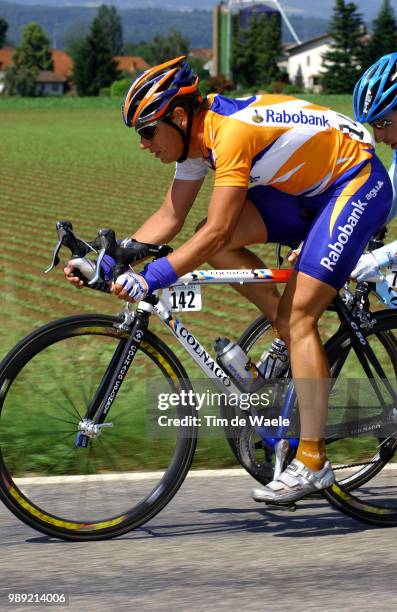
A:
<point x="127" y="474"/>
<point x="356" y="458"/>
<point x="371" y="468"/>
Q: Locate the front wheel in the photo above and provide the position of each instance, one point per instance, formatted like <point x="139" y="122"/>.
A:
<point x="128" y="473"/>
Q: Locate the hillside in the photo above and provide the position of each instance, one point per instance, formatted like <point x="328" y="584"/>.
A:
<point x="304" y="8"/>
<point x="138" y="24"/>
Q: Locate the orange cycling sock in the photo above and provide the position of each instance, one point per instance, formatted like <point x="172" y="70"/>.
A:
<point x="311" y="453"/>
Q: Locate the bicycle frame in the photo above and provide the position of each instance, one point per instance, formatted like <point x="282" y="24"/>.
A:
<point x="137" y="323"/>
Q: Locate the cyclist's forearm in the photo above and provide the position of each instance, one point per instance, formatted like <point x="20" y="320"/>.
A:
<point x="223" y="214"/>
<point x="386" y="255"/>
<point x="158" y="229"/>
<point x="198" y="249"/>
<point x="169" y="219"/>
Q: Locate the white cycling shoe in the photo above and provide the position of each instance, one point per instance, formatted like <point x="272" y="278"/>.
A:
<point x="295" y="482"/>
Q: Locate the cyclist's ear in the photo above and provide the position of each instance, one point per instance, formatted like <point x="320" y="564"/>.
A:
<point x="179" y="117"/>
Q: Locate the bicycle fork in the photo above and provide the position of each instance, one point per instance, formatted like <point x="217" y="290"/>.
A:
<point x="98" y="410"/>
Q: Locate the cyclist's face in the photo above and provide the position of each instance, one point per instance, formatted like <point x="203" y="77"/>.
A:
<point x="387" y="134"/>
<point x="166" y="144"/>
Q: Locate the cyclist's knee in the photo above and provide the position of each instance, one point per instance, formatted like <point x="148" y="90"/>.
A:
<point x="282" y="329"/>
<point x="295" y="325"/>
<point x="200" y="225"/>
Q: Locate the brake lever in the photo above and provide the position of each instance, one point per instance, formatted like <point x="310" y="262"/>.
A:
<point x="55" y="258"/>
<point x="62" y="227"/>
<point x="97" y="277"/>
<point x="66" y="237"/>
<point x="108" y="244"/>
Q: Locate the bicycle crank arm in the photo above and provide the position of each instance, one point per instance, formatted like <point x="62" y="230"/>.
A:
<point x="290" y="507"/>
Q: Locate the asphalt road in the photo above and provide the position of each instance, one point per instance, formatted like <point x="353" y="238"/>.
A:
<point x="212" y="548"/>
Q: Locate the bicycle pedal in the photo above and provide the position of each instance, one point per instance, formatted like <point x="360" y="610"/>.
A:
<point x="315" y="495"/>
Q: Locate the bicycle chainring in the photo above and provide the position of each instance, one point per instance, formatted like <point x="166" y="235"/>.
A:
<point x="254" y="455"/>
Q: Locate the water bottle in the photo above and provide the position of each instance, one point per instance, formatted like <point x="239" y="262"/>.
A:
<point x="236" y="363"/>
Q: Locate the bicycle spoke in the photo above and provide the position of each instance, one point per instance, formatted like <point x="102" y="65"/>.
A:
<point x="53" y="418"/>
<point x="67" y="396"/>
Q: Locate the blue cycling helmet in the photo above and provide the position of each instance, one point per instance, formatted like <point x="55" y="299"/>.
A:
<point x="375" y="94"/>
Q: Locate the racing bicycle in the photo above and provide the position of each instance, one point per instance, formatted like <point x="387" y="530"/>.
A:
<point x="78" y="460"/>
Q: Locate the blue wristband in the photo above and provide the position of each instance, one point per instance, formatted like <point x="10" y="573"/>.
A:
<point x="159" y="274"/>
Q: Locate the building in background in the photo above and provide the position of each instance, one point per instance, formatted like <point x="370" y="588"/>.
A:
<point x="232" y="16"/>
<point x="49" y="82"/>
<point x="131" y="63"/>
<point x="245" y="14"/>
<point x="5" y="60"/>
<point x="306" y="59"/>
<point x="205" y="55"/>
<point x="58" y="81"/>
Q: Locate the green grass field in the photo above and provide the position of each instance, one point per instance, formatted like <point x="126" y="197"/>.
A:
<point x="74" y="159"/>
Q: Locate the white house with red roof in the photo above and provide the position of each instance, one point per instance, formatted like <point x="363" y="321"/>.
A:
<point x="48" y="82"/>
<point x="57" y="81"/>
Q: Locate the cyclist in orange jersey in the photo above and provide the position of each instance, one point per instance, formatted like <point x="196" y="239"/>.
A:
<point x="286" y="170"/>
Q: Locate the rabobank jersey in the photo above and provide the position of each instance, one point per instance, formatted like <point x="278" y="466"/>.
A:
<point x="295" y="146"/>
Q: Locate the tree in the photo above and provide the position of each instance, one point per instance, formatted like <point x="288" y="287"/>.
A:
<point x="171" y="45"/>
<point x="198" y="66"/>
<point x="242" y="56"/>
<point x="256" y="51"/>
<point x="34" y="50"/>
<point x="217" y="84"/>
<point x="3" y="31"/>
<point x="32" y="55"/>
<point x="94" y="66"/>
<point x="83" y="70"/>
<point x="111" y="22"/>
<point x="142" y="49"/>
<point x="269" y="50"/>
<point x="74" y="37"/>
<point x="21" y="81"/>
<point x="384" y="34"/>
<point x="343" y="62"/>
<point x="298" y="79"/>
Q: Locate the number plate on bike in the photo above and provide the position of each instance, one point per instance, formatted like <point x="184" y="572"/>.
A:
<point x="183" y="297"/>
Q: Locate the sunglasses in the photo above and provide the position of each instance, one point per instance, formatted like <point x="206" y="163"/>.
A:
<point x="381" y="124"/>
<point x="147" y="132"/>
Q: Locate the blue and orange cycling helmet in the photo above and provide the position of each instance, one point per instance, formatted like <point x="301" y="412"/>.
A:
<point x="375" y="94"/>
<point x="155" y="93"/>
